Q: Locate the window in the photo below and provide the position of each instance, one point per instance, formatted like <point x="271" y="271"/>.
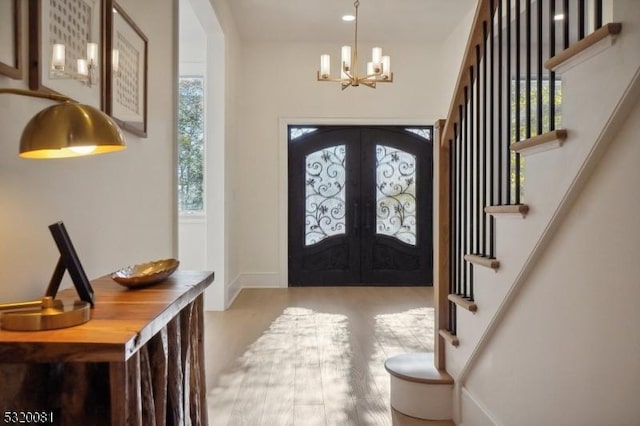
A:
<point x="191" y="144"/>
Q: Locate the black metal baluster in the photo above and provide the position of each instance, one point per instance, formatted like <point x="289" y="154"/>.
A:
<point x="565" y="23"/>
<point x="598" y="14"/>
<point x="581" y="19"/>
<point x="527" y="109"/>
<point x="503" y="166"/>
<point x="472" y="159"/>
<point x="517" y="123"/>
<point x="485" y="142"/>
<point x="479" y="166"/>
<point x="539" y="70"/>
<point x="552" y="75"/>
<point x="492" y="109"/>
<point x="465" y="198"/>
<point x="469" y="166"/>
<point x="461" y="206"/>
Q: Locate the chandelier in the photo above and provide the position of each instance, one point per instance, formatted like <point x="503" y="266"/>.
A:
<point x="378" y="70"/>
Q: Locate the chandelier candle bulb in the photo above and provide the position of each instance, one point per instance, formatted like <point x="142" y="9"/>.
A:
<point x="370" y="69"/>
<point x="92" y="54"/>
<point x="115" y="60"/>
<point x="346" y="58"/>
<point x="58" y="57"/>
<point x="325" y="65"/>
<point x="376" y="59"/>
<point x="386" y="67"/>
<point x="83" y="69"/>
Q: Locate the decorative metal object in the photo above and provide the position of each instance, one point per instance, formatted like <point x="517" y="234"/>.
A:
<point x="50" y="313"/>
<point x="145" y="273"/>
<point x="325" y="194"/>
<point x="378" y="70"/>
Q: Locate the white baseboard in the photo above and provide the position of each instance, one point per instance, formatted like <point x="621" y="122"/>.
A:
<point x="233" y="290"/>
<point x="255" y="280"/>
<point x="261" y="280"/>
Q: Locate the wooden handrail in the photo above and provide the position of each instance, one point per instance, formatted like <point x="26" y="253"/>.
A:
<point x="475" y="38"/>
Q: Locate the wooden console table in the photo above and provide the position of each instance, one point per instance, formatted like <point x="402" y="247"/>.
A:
<point x="139" y="360"/>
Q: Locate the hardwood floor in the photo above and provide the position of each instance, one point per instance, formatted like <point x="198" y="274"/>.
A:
<point x="313" y="356"/>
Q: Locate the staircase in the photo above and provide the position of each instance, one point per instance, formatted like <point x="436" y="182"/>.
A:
<point x="510" y="180"/>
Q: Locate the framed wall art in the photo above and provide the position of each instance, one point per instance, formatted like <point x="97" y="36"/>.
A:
<point x="126" y="82"/>
<point x="77" y="25"/>
<point x="10" y="35"/>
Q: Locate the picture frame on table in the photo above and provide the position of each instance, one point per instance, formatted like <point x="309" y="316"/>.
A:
<point x="126" y="55"/>
<point x="74" y="23"/>
<point x="10" y="38"/>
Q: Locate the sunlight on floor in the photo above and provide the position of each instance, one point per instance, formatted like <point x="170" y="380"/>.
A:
<point x="311" y="368"/>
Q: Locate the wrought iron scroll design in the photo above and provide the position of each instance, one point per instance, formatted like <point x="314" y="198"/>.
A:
<point x="325" y="179"/>
<point x="396" y="194"/>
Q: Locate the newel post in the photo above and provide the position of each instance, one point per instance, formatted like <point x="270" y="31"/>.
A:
<point x="441" y="234"/>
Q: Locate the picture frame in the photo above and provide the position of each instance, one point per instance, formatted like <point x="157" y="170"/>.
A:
<point x="126" y="55"/>
<point x="70" y="262"/>
<point x="73" y="23"/>
<point x="10" y="39"/>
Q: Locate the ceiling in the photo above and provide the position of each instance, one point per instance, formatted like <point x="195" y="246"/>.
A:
<point x="320" y="20"/>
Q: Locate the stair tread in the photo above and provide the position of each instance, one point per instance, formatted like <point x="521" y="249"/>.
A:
<point x="540" y="142"/>
<point x="582" y="45"/>
<point x="417" y="367"/>
<point x="463" y="302"/>
<point x="510" y="209"/>
<point x="487" y="262"/>
<point x="449" y="337"/>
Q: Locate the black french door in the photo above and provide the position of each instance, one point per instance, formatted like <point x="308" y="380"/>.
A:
<point x="360" y="206"/>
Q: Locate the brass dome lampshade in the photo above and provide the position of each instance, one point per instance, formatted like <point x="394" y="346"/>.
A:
<point x="68" y="129"/>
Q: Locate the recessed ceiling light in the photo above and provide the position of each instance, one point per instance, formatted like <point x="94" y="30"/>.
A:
<point x="348" y="18"/>
<point x="558" y="17"/>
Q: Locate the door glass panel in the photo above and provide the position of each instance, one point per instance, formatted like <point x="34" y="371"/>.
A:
<point x="396" y="194"/>
<point x="420" y="131"/>
<point x="325" y="178"/>
<point x="296" y="132"/>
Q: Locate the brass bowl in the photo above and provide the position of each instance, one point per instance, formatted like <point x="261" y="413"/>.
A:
<point x="145" y="273"/>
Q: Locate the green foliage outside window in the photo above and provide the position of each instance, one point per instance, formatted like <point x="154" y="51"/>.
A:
<point x="546" y="119"/>
<point x="191" y="144"/>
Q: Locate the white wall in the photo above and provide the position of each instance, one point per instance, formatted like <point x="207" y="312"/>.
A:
<point x="119" y="208"/>
<point x="227" y="55"/>
<point x="279" y="86"/>
<point x="203" y="242"/>
<point x="452" y="53"/>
